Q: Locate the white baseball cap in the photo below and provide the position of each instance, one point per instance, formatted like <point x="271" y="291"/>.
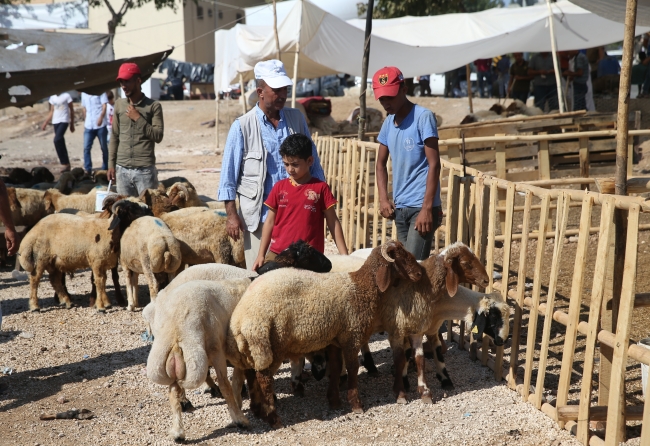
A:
<point x="273" y="73"/>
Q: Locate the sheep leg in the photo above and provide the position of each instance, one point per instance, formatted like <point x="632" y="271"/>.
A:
<point x="399" y="360"/>
<point x="425" y="392"/>
<point x="152" y="282"/>
<point x="213" y="388"/>
<point x="100" y="286"/>
<point x="296" y="371"/>
<point x="119" y="297"/>
<point x="186" y="405"/>
<point x="93" y="291"/>
<point x="255" y="392"/>
<point x="351" y="358"/>
<point x="368" y="362"/>
<point x="265" y="380"/>
<point x="56" y="279"/>
<point x="132" y="290"/>
<point x="218" y="361"/>
<point x="34" y="280"/>
<point x="175" y="394"/>
<point x="441" y="369"/>
<point x="335" y="365"/>
<point x="237" y="385"/>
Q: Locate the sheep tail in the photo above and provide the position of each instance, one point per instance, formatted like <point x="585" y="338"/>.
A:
<point x="259" y="350"/>
<point x="26" y="257"/>
<point x="189" y="364"/>
<point x="168" y="259"/>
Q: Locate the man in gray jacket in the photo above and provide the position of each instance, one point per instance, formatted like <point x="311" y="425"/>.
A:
<point x="251" y="160"/>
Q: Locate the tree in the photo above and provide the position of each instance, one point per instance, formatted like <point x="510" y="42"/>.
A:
<point x="118" y="15"/>
<point x="388" y="9"/>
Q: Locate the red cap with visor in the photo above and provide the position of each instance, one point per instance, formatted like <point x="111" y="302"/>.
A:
<point x="127" y="71"/>
<point x="387" y="82"/>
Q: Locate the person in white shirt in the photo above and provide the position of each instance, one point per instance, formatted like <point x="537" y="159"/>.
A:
<point x="61" y="114"/>
<point x="110" y="110"/>
<point x="95" y="127"/>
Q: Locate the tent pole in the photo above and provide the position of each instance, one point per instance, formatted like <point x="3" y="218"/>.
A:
<point x="275" y="31"/>
<point x="556" y="68"/>
<point x="295" y="76"/>
<point x="243" y="94"/>
<point x="468" y="72"/>
<point x="216" y="118"/>
<point x="364" y="72"/>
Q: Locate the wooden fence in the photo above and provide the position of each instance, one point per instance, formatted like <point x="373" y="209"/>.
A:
<point x="482" y="211"/>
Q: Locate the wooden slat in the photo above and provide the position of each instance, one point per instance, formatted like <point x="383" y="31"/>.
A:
<point x="544" y="161"/>
<point x="357" y="215"/>
<point x="597" y="293"/>
<point x="519" y="302"/>
<point x="492" y="217"/>
<point x="562" y="218"/>
<point x="616" y="404"/>
<point x="347" y="179"/>
<point x="575" y="301"/>
<point x="584" y="157"/>
<point x="597" y="413"/>
<point x="451" y="193"/>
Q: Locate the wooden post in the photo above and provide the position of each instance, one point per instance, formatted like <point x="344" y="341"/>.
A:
<point x="544" y="161"/>
<point x="243" y="94"/>
<point x="583" y="152"/>
<point x="364" y="72"/>
<point x="216" y="119"/>
<point x="295" y="76"/>
<point x="468" y="72"/>
<point x="275" y="32"/>
<point x="556" y="66"/>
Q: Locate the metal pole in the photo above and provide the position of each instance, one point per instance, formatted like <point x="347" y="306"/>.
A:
<point x="216" y="118"/>
<point x="468" y="72"/>
<point x="275" y="31"/>
<point x="243" y="94"/>
<point x="295" y="76"/>
<point x="556" y="68"/>
<point x="364" y="72"/>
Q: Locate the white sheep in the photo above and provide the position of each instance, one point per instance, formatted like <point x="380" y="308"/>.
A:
<point x="190" y="325"/>
<point x="56" y="201"/>
<point x="289" y="313"/>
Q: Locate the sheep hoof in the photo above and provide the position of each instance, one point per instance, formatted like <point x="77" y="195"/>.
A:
<point x="179" y="439"/>
<point x="35" y="310"/>
<point x="405" y="382"/>
<point x="186" y="406"/>
<point x="357" y="410"/>
<point x="130" y="308"/>
<point x="401" y="398"/>
<point x="426" y="398"/>
<point x="446" y="384"/>
<point x="101" y="310"/>
<point x="215" y="392"/>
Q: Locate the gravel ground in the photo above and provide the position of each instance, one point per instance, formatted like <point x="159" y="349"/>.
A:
<point x="97" y="362"/>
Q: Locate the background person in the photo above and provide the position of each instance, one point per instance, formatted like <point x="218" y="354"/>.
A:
<point x="410" y="135"/>
<point x="579" y="73"/>
<point x="94" y="127"/>
<point x="519" y="85"/>
<point x="137" y="127"/>
<point x="542" y="70"/>
<point x="110" y="111"/>
<point x="61" y="114"/>
<point x="252" y="163"/>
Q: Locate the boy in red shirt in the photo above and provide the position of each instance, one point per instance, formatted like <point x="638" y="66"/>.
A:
<point x="298" y="204"/>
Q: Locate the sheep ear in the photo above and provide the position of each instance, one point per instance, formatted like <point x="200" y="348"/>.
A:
<point x="114" y="223"/>
<point x="480" y="320"/>
<point x="14" y="204"/>
<point x="383" y="277"/>
<point x="451" y="281"/>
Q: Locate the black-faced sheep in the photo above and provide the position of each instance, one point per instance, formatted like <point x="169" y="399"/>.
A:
<point x="290" y="313"/>
<point x="63" y="243"/>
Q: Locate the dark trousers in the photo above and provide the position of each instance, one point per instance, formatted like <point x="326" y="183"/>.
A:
<point x="544" y="93"/>
<point x="579" y="96"/>
<point x="484" y="80"/>
<point x="521" y="95"/>
<point x="414" y="243"/>
<point x="59" y="142"/>
<point x="425" y="88"/>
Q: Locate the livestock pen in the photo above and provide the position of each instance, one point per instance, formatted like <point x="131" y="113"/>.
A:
<point x="566" y="333"/>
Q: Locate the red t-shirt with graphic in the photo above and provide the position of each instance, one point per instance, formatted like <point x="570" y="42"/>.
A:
<point x="299" y="213"/>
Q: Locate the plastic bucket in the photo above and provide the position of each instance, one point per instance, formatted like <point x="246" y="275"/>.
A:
<point x="645" y="343"/>
<point x="99" y="199"/>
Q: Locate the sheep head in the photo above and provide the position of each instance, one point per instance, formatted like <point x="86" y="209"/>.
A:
<point x="462" y="266"/>
<point x="50" y="198"/>
<point x="179" y="194"/>
<point x="392" y="262"/>
<point x="158" y="202"/>
<point x="18" y="175"/>
<point x="301" y="255"/>
<point x="125" y="212"/>
<point x="492" y="318"/>
<point x="107" y="204"/>
<point x="42" y="175"/>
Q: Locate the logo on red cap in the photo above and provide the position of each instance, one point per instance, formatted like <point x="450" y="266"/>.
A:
<point x="383" y="78"/>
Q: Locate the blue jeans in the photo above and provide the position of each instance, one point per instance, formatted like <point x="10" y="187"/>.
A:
<point x="414" y="243"/>
<point x="59" y="142"/>
<point x="89" y="138"/>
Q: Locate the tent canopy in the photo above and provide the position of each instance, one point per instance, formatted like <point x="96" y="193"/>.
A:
<point x="615" y="9"/>
<point x="417" y="45"/>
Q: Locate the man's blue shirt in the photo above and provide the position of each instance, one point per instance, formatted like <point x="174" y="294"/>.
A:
<point x="406" y="146"/>
<point x="272" y="138"/>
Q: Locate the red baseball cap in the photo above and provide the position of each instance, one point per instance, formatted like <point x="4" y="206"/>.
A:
<point x="387" y="82"/>
<point x="127" y="71"/>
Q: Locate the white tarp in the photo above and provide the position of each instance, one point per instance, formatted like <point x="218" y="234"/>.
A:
<point x="615" y="9"/>
<point x="417" y="45"/>
<point x="45" y="16"/>
<point x="263" y="15"/>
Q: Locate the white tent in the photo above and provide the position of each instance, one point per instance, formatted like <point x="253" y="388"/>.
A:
<point x="263" y="15"/>
<point x="416" y="45"/>
<point x="615" y="9"/>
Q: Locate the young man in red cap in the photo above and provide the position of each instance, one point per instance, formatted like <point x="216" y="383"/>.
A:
<point x="137" y="127"/>
<point x="410" y="135"/>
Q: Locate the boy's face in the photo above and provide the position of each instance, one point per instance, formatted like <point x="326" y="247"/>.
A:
<point x="111" y="101"/>
<point x="392" y="104"/>
<point x="297" y="168"/>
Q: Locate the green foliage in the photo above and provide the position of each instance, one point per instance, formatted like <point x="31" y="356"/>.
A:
<point x="388" y="9"/>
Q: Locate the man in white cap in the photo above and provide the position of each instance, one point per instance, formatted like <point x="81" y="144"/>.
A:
<point x="251" y="160"/>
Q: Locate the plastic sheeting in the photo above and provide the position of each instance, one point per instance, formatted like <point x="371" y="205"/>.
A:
<point x="615" y="10"/>
<point x="22" y="50"/>
<point x="45" y="16"/>
<point x="417" y="45"/>
<point x="22" y="88"/>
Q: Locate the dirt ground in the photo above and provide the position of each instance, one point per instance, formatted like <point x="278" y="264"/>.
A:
<point x="97" y="361"/>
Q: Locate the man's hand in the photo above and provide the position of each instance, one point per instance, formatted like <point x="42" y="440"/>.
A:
<point x="233" y="225"/>
<point x="99" y="121"/>
<point x="132" y="113"/>
<point x="110" y="174"/>
<point x="12" y="241"/>
<point x="259" y="261"/>
<point x="44" y="126"/>
<point x="424" y="222"/>
<point x="387" y="209"/>
<point x="72" y="127"/>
